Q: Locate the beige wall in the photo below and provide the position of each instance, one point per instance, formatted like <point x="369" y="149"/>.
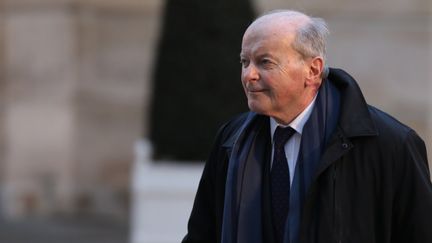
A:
<point x="76" y="81"/>
<point x="40" y="82"/>
<point x="360" y="8"/>
<point x="115" y="51"/>
<point x="2" y="106"/>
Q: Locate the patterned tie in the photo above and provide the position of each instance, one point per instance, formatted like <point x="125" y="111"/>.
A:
<point x="280" y="181"/>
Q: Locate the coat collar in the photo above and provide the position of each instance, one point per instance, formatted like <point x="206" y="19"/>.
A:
<point x="355" y="119"/>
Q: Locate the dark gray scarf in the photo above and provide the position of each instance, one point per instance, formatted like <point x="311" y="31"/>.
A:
<point x="242" y="219"/>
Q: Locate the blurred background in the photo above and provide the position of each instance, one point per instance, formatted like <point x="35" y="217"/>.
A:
<point x="108" y="108"/>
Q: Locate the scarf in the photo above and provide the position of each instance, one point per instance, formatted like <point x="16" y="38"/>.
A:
<point x="242" y="216"/>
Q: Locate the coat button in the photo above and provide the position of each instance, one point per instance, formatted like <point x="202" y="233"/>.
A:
<point x="344" y="145"/>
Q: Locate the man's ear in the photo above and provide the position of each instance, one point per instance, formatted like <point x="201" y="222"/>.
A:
<point x="316" y="67"/>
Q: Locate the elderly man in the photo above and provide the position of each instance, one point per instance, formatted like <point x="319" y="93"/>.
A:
<point x="312" y="161"/>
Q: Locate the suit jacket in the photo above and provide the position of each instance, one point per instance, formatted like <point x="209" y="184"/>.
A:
<point x="372" y="184"/>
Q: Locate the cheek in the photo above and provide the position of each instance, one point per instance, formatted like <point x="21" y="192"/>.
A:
<point x="283" y="91"/>
<point x="244" y="86"/>
<point x="243" y="79"/>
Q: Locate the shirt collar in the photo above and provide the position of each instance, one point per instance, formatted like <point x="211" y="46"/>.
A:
<point x="298" y="123"/>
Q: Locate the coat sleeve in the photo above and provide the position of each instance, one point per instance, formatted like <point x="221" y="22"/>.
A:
<point x="204" y="221"/>
<point x="412" y="209"/>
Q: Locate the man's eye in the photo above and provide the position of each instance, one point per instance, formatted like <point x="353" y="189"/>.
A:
<point x="266" y="61"/>
<point x="244" y="62"/>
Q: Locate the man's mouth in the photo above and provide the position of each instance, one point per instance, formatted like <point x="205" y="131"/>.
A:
<point x="256" y="90"/>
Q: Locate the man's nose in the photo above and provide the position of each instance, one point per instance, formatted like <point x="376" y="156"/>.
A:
<point x="250" y="73"/>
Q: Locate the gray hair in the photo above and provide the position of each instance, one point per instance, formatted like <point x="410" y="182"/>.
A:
<point x="310" y="39"/>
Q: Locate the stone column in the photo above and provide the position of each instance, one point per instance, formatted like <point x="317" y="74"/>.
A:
<point x="114" y="54"/>
<point x="40" y="62"/>
<point x="2" y="108"/>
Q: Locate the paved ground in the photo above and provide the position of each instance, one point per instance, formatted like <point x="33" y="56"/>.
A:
<point x="63" y="231"/>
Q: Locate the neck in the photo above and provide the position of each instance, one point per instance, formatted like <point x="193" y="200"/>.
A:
<point x="285" y="118"/>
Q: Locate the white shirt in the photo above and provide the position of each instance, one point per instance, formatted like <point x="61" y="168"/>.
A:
<point x="292" y="146"/>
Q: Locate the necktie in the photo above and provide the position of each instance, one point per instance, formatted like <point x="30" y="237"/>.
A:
<point x="280" y="181"/>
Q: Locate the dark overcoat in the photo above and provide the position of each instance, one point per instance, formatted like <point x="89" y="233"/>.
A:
<point x="372" y="185"/>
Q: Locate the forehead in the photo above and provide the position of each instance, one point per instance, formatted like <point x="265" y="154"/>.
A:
<point x="272" y="31"/>
<point x="263" y="39"/>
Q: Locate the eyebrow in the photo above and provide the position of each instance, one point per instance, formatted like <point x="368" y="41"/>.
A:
<point x="242" y="55"/>
<point x="266" y="55"/>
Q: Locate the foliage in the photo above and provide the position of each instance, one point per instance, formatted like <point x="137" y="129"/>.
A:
<point x="197" y="75"/>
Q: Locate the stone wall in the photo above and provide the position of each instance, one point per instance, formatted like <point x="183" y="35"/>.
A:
<point x="2" y="108"/>
<point x="76" y="79"/>
<point x="115" y="50"/>
<point x="40" y="82"/>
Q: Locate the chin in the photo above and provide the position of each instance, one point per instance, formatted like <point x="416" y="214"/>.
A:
<point x="258" y="108"/>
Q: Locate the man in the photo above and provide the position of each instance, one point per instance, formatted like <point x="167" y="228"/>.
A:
<point x="311" y="161"/>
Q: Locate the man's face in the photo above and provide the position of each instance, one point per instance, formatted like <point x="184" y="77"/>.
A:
<point x="273" y="74"/>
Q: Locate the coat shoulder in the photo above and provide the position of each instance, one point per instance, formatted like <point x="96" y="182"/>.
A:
<point x="389" y="128"/>
<point x="399" y="141"/>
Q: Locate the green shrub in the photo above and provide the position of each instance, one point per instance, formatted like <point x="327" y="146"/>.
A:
<point x="197" y="75"/>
